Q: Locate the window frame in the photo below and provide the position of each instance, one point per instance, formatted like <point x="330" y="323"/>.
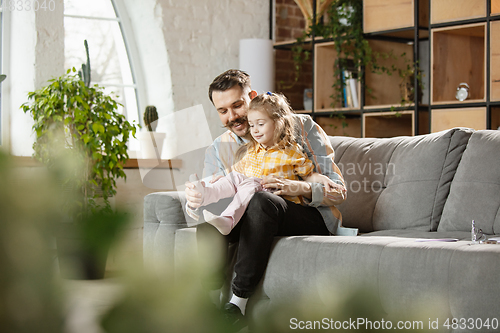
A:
<point x="123" y="20"/>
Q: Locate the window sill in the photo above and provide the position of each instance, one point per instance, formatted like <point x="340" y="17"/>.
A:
<point x="132" y="163"/>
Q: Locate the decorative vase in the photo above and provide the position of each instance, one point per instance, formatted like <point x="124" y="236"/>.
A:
<point x="308" y="99"/>
<point x="306" y="7"/>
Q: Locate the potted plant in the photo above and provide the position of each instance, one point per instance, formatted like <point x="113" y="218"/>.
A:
<point x="82" y="138"/>
<point x="151" y="142"/>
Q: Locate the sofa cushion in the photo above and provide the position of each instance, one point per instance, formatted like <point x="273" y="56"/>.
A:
<point x="385" y="188"/>
<point x="474" y="192"/>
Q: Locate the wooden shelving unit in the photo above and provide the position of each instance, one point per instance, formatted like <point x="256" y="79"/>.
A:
<point x="495" y="7"/>
<point x="456" y="10"/>
<point x="388" y="124"/>
<point x="458" y="55"/>
<point x="394" y="27"/>
<point x="324" y="58"/>
<point x="383" y="90"/>
<point x="390" y="29"/>
<point x="495" y="117"/>
<point x="495" y="61"/>
<point x="474" y="117"/>
<point x="464" y="47"/>
<point x="402" y="17"/>
<point x="350" y="125"/>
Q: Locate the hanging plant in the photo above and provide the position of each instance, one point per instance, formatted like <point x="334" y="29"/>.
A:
<point x="343" y="23"/>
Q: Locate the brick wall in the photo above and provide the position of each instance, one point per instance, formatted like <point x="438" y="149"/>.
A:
<point x="290" y="24"/>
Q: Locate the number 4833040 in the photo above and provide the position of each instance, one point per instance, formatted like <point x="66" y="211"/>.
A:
<point x="28" y="5"/>
<point x="471" y="323"/>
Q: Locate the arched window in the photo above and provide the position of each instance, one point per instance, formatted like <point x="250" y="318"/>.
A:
<point x="98" y="22"/>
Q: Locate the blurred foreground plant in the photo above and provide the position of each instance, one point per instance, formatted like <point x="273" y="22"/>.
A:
<point x="30" y="299"/>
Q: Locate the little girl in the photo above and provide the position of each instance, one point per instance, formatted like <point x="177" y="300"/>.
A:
<point x="273" y="150"/>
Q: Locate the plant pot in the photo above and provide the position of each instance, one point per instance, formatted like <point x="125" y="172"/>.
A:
<point x="151" y="144"/>
<point x="76" y="260"/>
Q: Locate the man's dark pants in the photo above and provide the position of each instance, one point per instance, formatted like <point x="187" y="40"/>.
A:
<point x="267" y="216"/>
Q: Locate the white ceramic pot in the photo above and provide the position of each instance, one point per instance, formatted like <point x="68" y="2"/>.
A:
<point x="151" y="144"/>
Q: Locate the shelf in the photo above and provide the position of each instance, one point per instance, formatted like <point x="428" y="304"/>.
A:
<point x="288" y="44"/>
<point x="324" y="58"/>
<point x="336" y="110"/>
<point x="458" y="55"/>
<point x="385" y="88"/>
<point x="495" y="7"/>
<point x="393" y="14"/>
<point x="382" y="89"/>
<point x="443" y="119"/>
<point x="454" y="10"/>
<point x="403" y="35"/>
<point x="390" y="107"/>
<point x="135" y="163"/>
<point x="495" y="117"/>
<point x="132" y="163"/>
<point x="495" y="61"/>
<point x="336" y="126"/>
<point x="388" y="124"/>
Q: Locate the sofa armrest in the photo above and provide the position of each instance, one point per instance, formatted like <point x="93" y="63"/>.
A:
<point x="164" y="214"/>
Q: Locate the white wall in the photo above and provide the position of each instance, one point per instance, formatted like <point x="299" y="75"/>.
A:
<point x="35" y="54"/>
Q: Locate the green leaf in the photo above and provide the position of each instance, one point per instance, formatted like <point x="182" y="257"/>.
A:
<point x="98" y="128"/>
<point x="85" y="138"/>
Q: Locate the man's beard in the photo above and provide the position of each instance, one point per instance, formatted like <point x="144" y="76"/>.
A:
<point x="236" y="122"/>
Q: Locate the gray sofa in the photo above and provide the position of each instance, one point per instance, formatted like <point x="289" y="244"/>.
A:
<point x="400" y="191"/>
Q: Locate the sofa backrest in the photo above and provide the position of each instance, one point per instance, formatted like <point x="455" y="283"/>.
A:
<point x="475" y="190"/>
<point x="400" y="182"/>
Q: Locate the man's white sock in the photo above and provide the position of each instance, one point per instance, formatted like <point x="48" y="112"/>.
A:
<point x="239" y="302"/>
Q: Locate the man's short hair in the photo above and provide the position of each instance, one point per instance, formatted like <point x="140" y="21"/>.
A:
<point x="229" y="79"/>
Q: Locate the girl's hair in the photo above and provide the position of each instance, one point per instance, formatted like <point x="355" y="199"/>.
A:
<point x="279" y="110"/>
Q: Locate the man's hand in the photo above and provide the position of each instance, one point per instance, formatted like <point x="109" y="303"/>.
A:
<point x="333" y="191"/>
<point x="194" y="192"/>
<point x="286" y="186"/>
<point x="330" y="185"/>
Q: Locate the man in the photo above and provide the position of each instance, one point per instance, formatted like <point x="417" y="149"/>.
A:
<point x="268" y="215"/>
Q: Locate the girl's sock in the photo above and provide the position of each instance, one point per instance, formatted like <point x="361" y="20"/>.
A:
<point x="222" y="223"/>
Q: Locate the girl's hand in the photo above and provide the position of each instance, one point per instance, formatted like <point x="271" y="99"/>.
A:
<point x="286" y="186"/>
